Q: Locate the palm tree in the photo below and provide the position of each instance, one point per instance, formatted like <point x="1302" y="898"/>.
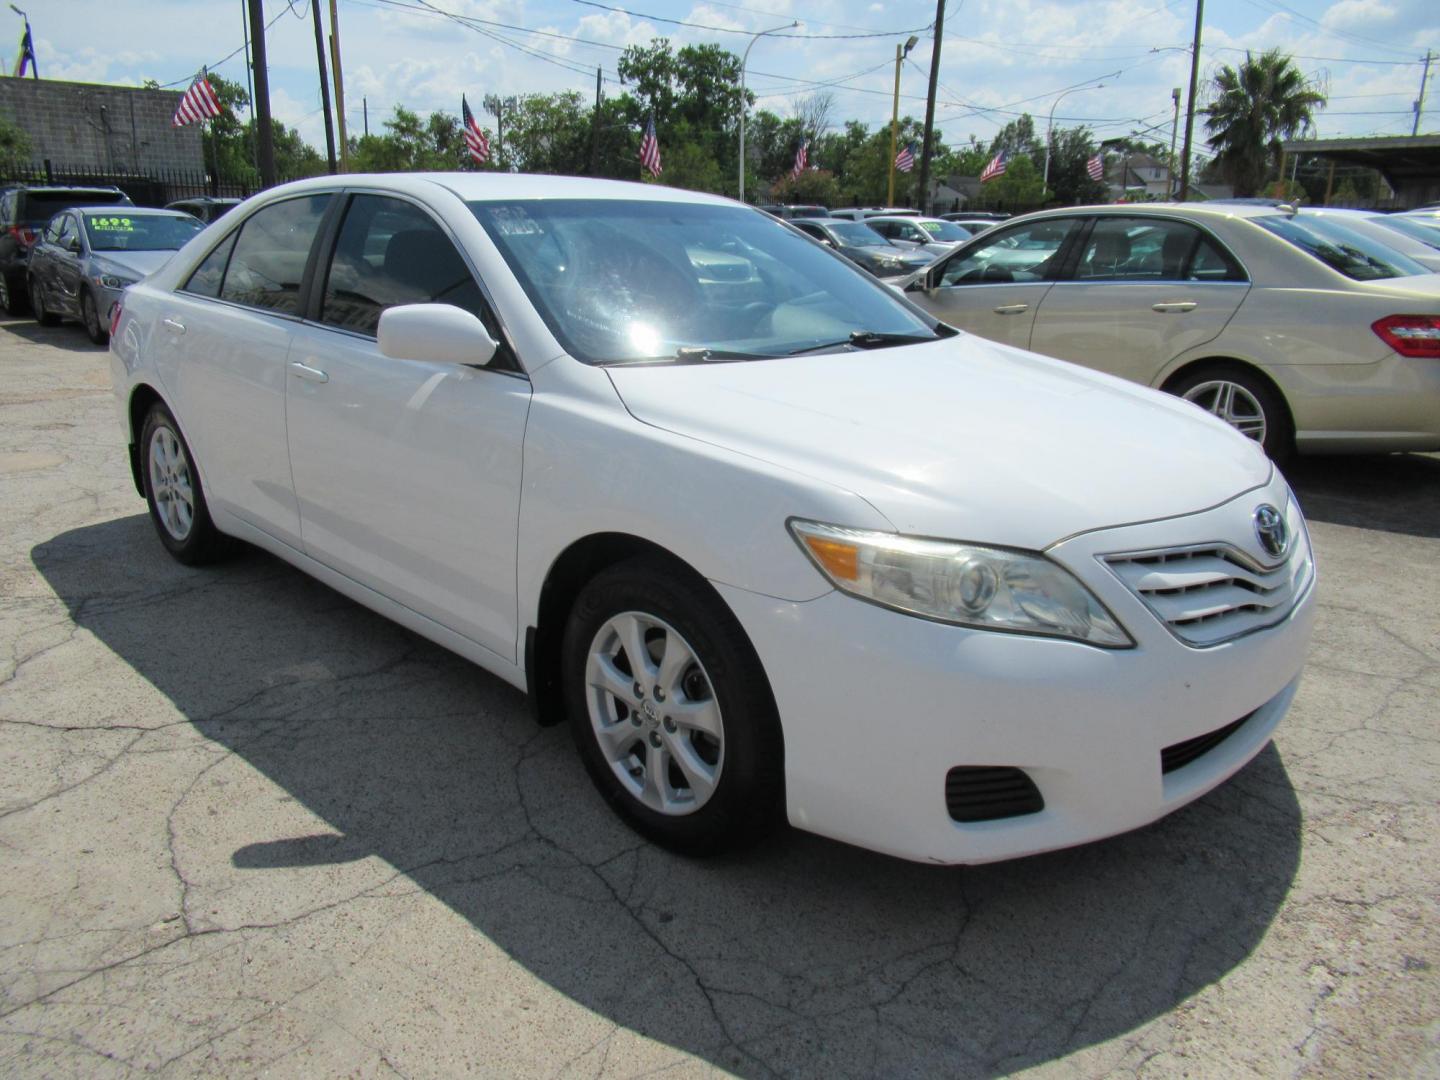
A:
<point x="1255" y="106"/>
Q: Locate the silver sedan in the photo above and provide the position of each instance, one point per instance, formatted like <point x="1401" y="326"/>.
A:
<point x="1302" y="333"/>
<point x="88" y="256"/>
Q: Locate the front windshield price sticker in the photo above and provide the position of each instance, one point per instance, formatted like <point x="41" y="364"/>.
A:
<point x="113" y="224"/>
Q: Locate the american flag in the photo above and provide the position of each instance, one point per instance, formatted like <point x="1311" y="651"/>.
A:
<point x="198" y="103"/>
<point x="1095" y="168"/>
<point x="995" y="168"/>
<point x="905" y="159"/>
<point x="475" y="139"/>
<point x="802" y="158"/>
<point x="650" y="149"/>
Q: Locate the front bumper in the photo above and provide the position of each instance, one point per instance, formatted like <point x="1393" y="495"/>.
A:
<point x="877" y="707"/>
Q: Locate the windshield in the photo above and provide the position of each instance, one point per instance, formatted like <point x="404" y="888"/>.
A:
<point x="139" y="232"/>
<point x="854" y="232"/>
<point x="944" y="231"/>
<point x="619" y="281"/>
<point x="1341" y="248"/>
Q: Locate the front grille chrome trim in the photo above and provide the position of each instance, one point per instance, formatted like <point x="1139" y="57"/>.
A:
<point x="1209" y="593"/>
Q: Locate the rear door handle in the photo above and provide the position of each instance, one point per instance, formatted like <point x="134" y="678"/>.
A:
<point x="175" y="326"/>
<point x="1011" y="309"/>
<point x="1177" y="305"/>
<point x="308" y="373"/>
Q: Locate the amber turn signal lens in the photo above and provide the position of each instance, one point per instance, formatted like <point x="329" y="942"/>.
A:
<point x="839" y="560"/>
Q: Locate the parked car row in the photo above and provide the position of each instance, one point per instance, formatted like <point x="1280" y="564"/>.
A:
<point x="69" y="252"/>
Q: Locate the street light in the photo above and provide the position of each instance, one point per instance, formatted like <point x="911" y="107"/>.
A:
<point x="743" y="61"/>
<point x="900" y="55"/>
<point x="1174" y="127"/>
<point x="1050" y="123"/>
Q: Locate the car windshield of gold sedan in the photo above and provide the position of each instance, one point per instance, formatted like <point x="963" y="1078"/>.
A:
<point x="621" y="281"/>
<point x="1341" y="249"/>
<point x="122" y="231"/>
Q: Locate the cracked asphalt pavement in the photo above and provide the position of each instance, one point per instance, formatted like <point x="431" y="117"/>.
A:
<point x="248" y="827"/>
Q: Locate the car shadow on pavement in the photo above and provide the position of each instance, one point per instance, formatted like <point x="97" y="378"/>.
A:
<point x="803" y="956"/>
<point x="69" y="336"/>
<point x="1397" y="493"/>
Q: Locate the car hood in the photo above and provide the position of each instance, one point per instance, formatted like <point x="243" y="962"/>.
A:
<point x="134" y="263"/>
<point x="960" y="438"/>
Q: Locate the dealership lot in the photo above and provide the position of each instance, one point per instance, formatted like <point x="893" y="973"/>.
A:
<point x="247" y="825"/>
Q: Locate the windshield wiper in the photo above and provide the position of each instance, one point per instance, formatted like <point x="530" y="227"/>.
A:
<point x="868" y="339"/>
<point x="693" y="353"/>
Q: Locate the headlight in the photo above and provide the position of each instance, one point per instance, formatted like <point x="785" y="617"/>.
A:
<point x="110" y="281"/>
<point x="983" y="587"/>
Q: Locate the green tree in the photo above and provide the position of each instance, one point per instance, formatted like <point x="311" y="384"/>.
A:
<point x="1018" y="137"/>
<point x="1070" y="184"/>
<point x="408" y="144"/>
<point x="811" y="186"/>
<point x="1021" y="188"/>
<point x="1255" y="106"/>
<point x="14" y="146"/>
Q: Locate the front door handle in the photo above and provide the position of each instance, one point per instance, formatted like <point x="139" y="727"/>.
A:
<point x="175" y="326"/>
<point x="1177" y="305"/>
<point x="308" y="373"/>
<point x="1011" y="309"/>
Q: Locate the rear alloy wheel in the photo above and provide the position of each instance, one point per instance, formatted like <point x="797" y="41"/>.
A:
<point x="670" y="710"/>
<point x="43" y="315"/>
<point x="175" y="495"/>
<point x="90" y="316"/>
<point x="1244" y="401"/>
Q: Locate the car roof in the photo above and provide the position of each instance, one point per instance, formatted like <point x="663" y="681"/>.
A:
<point x="46" y="189"/>
<point x="499" y="185"/>
<point x="203" y="199"/>
<point x="128" y="211"/>
<point x="1171" y="209"/>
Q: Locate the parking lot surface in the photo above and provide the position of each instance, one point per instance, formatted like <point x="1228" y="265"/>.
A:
<point x="246" y="826"/>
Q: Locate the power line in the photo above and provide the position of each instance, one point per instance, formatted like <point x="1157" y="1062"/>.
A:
<point x="747" y="33"/>
<point x="232" y="54"/>
<point x="1284" y="11"/>
<point x="1325" y="59"/>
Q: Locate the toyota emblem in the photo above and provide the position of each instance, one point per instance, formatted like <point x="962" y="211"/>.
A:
<point x="1270" y="530"/>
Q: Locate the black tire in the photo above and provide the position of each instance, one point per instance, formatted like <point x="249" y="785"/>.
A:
<point x="13" y="297"/>
<point x="1279" y="429"/>
<point x="747" y="800"/>
<point x="201" y="542"/>
<point x="43" y="315"/>
<point x="98" y="332"/>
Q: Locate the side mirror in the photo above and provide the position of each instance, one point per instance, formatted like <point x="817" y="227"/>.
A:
<point x="827" y="241"/>
<point x="439" y="333"/>
<point x="73" y="246"/>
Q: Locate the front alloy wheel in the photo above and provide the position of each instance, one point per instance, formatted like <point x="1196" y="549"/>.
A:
<point x="670" y="708"/>
<point x="654" y="713"/>
<point x="175" y="494"/>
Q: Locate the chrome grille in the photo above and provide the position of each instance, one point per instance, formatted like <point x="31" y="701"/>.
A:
<point x="1209" y="594"/>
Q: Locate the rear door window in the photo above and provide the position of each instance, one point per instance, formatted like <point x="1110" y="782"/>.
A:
<point x="1143" y="249"/>
<point x="268" y="262"/>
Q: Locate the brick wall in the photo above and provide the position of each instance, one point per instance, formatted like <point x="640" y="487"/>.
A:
<point x="105" y="128"/>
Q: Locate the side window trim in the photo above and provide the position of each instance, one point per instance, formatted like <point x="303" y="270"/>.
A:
<point x="318" y="274"/>
<point x="229" y="238"/>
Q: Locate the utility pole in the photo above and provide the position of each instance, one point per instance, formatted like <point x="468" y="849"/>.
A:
<point x="1189" y="108"/>
<point x="901" y="52"/>
<point x="265" y="142"/>
<point x="595" y="130"/>
<point x="324" y="85"/>
<point x="250" y="89"/>
<point x="1420" y="101"/>
<point x="924" y="182"/>
<point x="365" y="115"/>
<point x="1174" y="125"/>
<point x="339" y="87"/>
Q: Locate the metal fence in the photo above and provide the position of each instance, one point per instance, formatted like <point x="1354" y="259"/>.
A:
<point x="154" y="188"/>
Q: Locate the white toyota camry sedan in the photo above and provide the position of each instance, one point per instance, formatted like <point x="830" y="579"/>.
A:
<point x="773" y="541"/>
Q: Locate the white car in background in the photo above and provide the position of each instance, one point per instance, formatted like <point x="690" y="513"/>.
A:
<point x="1296" y="329"/>
<point x="774" y="542"/>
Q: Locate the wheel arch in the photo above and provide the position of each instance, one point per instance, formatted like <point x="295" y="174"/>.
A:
<point x="568" y="574"/>
<point x="142" y="397"/>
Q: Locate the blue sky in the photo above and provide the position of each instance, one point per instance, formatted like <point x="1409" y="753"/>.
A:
<point x="1000" y="57"/>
